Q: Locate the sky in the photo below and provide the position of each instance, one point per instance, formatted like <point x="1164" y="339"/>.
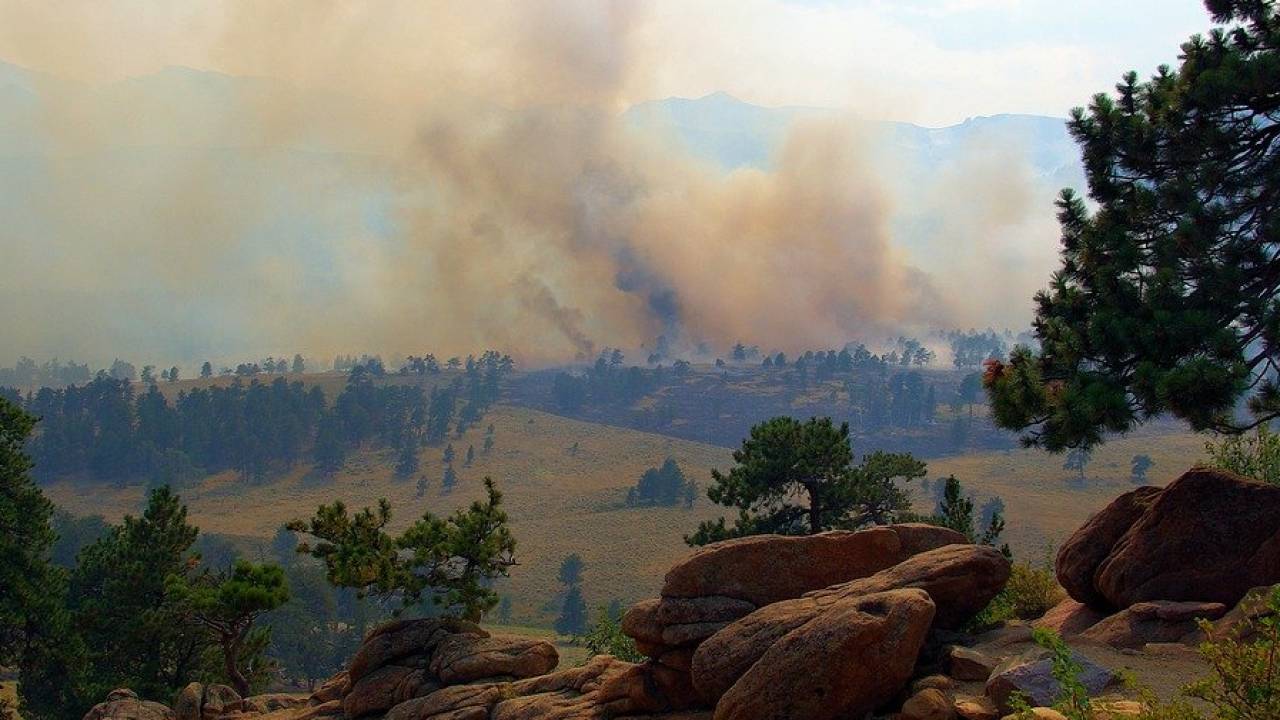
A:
<point x="438" y="176"/>
<point x="932" y="62"/>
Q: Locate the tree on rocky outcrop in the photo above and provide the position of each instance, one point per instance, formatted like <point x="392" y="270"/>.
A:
<point x="784" y="459"/>
<point x="1167" y="299"/>
<point x="227" y="605"/>
<point x="448" y="561"/>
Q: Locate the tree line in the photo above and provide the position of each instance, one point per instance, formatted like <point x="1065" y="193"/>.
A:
<point x="107" y="431"/>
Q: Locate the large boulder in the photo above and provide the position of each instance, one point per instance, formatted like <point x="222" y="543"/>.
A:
<point x="1152" y="622"/>
<point x="392" y="642"/>
<point x="845" y="662"/>
<point x="1031" y="674"/>
<point x="465" y="658"/>
<point x="188" y="701"/>
<point x="1079" y="557"/>
<point x="603" y="688"/>
<point x="124" y="704"/>
<point x="385" y="688"/>
<point x="1209" y="536"/>
<point x="764" y="569"/>
<point x="218" y="700"/>
<point x="1069" y="618"/>
<point x="960" y="580"/>
<point x="408" y="659"/>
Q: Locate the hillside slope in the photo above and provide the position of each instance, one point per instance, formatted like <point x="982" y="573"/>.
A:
<point x="562" y="502"/>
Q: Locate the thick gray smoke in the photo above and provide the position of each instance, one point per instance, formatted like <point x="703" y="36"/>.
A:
<point x="442" y="176"/>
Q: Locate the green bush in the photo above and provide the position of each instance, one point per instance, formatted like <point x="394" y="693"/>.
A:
<point x="1031" y="591"/>
<point x="1256" y="456"/>
<point x="605" y="637"/>
<point x="1243" y="681"/>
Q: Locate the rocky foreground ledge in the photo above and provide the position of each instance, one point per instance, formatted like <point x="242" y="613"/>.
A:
<point x="838" y="625"/>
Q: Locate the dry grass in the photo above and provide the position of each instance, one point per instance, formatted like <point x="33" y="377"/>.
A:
<point x="1042" y="506"/>
<point x="562" y="502"/>
<point x="559" y="502"/>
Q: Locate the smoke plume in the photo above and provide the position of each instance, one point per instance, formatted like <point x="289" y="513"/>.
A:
<point x="415" y="176"/>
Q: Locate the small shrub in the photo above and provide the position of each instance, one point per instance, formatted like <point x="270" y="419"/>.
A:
<point x="1031" y="591"/>
<point x="1243" y="682"/>
<point x="606" y="638"/>
<point x="1256" y="456"/>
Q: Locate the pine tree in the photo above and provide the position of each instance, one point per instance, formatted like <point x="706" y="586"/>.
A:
<point x="1166" y="300"/>
<point x="451" y="560"/>
<point x="784" y="459"/>
<point x="228" y="605"/>
<point x="407" y="459"/>
<point x="471" y="455"/>
<point x="573" y="614"/>
<point x="206" y="370"/>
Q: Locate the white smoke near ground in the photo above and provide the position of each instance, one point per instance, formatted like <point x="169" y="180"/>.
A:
<point x="436" y="176"/>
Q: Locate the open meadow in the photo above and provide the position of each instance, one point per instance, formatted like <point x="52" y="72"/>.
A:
<point x="565" y="483"/>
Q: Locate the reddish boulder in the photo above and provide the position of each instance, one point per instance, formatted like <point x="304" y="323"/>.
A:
<point x="959" y="579"/>
<point x="399" y="639"/>
<point x="1079" y="557"/>
<point x="1152" y="622"/>
<point x="1209" y="536"/>
<point x="845" y="662"/>
<point x="1069" y="618"/>
<point x="464" y="658"/>
<point x="764" y="569"/>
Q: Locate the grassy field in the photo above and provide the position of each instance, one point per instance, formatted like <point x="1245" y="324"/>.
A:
<point x="561" y="501"/>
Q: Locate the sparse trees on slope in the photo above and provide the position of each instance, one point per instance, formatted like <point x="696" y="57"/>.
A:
<point x="1167" y="300"/>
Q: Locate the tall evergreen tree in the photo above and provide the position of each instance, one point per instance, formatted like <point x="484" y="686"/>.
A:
<point x="1167" y="299"/>
<point x="128" y="620"/>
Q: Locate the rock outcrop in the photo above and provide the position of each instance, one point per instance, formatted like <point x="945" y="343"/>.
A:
<point x="959" y="580"/>
<point x="728" y="580"/>
<point x="1209" y="536"/>
<point x="1161" y="621"/>
<point x="1031" y="674"/>
<point x="124" y="704"/>
<point x="844" y="662"/>
<point x="408" y="659"/>
<point x="765" y="569"/>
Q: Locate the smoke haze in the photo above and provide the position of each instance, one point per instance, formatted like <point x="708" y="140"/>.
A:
<point x="438" y="176"/>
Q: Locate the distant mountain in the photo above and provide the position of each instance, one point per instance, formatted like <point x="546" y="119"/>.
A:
<point x="733" y="134"/>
